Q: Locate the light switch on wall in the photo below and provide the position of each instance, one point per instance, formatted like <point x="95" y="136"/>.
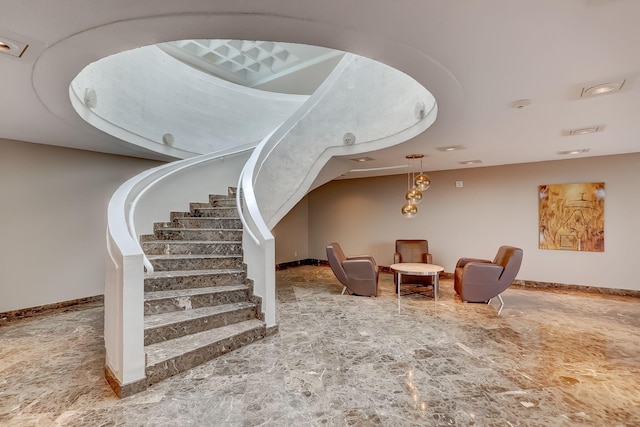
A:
<point x="459" y="184"/>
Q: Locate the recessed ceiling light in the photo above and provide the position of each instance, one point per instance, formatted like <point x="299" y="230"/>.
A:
<point x="451" y="148"/>
<point x="470" y="162"/>
<point x="584" y="131"/>
<point x="12" y="47"/>
<point x="520" y="103"/>
<point x="571" y="152"/>
<point x="602" y="88"/>
<point x="362" y="159"/>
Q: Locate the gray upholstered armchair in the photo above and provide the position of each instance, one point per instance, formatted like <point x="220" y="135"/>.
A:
<point x="412" y="251"/>
<point x="358" y="274"/>
<point x="480" y="280"/>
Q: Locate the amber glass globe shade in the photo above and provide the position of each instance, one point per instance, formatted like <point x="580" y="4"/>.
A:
<point x="409" y="210"/>
<point x="422" y="182"/>
<point x="413" y="196"/>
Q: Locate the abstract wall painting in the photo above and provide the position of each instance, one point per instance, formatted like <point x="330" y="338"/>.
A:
<point x="571" y="217"/>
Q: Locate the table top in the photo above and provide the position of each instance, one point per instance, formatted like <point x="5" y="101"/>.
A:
<point x="417" y="268"/>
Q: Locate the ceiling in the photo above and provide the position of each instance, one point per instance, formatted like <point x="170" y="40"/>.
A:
<point x="477" y="57"/>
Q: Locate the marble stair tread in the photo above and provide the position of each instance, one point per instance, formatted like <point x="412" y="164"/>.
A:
<point x="192" y="256"/>
<point x="159" y="295"/>
<point x="165" y="319"/>
<point x="189" y="242"/>
<point x="195" y="235"/>
<point x="189" y="215"/>
<point x="220" y="203"/>
<point x="179" y="215"/>
<point x="216" y="212"/>
<point x="191" y="279"/>
<point x="202" y="222"/>
<point x="167" y="350"/>
<point x="215" y="203"/>
<point x="185" y="273"/>
<point x="198" y="229"/>
<point x="188" y="247"/>
<point x="209" y="207"/>
<point x="173" y="262"/>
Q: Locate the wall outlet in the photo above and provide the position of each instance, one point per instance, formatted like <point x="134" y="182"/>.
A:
<point x="459" y="184"/>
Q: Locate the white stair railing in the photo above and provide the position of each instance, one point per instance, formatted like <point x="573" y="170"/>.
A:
<point x="144" y="199"/>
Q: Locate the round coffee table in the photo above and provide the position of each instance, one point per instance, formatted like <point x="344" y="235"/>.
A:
<point x="419" y="269"/>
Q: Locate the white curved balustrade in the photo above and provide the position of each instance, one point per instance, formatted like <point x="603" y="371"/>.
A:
<point x="144" y="94"/>
<point x="144" y="199"/>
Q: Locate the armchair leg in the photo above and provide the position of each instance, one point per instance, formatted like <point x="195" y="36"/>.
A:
<point x="499" y="299"/>
<point x="501" y="303"/>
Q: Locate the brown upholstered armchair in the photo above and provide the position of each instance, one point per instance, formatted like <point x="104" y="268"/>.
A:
<point x="358" y="274"/>
<point x="412" y="251"/>
<point x="480" y="280"/>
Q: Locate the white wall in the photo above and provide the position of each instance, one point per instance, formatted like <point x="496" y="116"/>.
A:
<point x="53" y="204"/>
<point x="497" y="205"/>
<point x="53" y="217"/>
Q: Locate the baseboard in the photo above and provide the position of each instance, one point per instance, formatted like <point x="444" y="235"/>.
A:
<point x="24" y="313"/>
<point x="302" y="262"/>
<point x="123" y="390"/>
<point x="520" y="284"/>
<point x="560" y="287"/>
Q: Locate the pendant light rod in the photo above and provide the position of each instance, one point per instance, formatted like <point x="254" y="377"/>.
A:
<point x="411" y="158"/>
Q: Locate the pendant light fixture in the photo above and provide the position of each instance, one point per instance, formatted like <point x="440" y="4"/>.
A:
<point x="422" y="181"/>
<point x="415" y="186"/>
<point x="409" y="210"/>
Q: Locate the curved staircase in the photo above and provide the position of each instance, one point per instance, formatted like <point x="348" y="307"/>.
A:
<point x="198" y="303"/>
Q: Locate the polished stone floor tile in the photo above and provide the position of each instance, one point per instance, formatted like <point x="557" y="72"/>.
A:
<point x="546" y="359"/>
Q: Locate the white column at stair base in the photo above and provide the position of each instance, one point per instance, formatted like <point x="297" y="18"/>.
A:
<point x="124" y="323"/>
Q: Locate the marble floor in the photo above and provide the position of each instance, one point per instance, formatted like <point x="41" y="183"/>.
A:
<point x="548" y="359"/>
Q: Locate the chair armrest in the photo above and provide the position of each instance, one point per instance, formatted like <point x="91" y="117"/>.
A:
<point x="360" y="268"/>
<point x="464" y="261"/>
<point x="396" y="258"/>
<point x="361" y="257"/>
<point x="427" y="258"/>
<point x="481" y="272"/>
<point x="364" y="257"/>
